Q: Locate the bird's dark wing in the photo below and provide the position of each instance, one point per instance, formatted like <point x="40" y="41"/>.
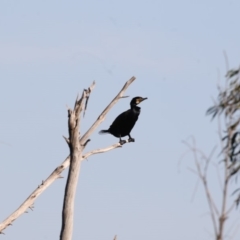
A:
<point x="118" y="127"/>
<point x="121" y="119"/>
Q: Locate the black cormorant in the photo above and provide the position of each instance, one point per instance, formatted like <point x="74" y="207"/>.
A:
<point x="124" y="123"/>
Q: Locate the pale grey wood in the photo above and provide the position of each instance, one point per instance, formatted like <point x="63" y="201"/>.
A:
<point x="106" y="110"/>
<point x="56" y="174"/>
<point x="74" y="169"/>
<point x="76" y="148"/>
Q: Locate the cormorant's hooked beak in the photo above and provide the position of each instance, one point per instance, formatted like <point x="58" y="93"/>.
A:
<point x="139" y="100"/>
<point x="144" y="99"/>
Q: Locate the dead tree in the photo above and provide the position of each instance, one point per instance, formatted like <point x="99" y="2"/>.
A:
<point x="76" y="145"/>
<point x="56" y="174"/>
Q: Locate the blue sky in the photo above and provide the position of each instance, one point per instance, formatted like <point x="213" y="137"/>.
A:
<point x="51" y="50"/>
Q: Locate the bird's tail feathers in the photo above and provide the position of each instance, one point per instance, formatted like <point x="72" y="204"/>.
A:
<point x="103" y="132"/>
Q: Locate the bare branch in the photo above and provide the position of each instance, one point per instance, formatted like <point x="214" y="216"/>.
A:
<point x="85" y="144"/>
<point x="88" y="95"/>
<point x="218" y="176"/>
<point x="31" y="199"/>
<point x="66" y="139"/>
<point x="227" y="104"/>
<point x="195" y="190"/>
<point x="192" y="170"/>
<point x="74" y="169"/>
<point x="202" y="175"/>
<point x="102" y="150"/>
<point x="76" y="148"/>
<point x="106" y="110"/>
<point x="56" y="174"/>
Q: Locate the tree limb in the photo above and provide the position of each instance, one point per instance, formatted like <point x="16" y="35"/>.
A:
<point x="202" y="174"/>
<point x="105" y="111"/>
<point x="74" y="169"/>
<point x="56" y="174"/>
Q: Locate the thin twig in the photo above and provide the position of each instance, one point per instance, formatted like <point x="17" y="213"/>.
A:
<point x="88" y="96"/>
<point x="195" y="190"/>
<point x="202" y="175"/>
<point x="56" y="174"/>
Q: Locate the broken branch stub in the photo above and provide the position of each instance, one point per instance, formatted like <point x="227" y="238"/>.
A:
<point x="56" y="174"/>
<point x="87" y="97"/>
<point x="74" y="169"/>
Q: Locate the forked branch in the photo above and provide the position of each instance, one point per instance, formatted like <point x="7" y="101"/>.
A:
<point x="74" y="117"/>
<point x="56" y="174"/>
<point x="218" y="215"/>
<point x="105" y="111"/>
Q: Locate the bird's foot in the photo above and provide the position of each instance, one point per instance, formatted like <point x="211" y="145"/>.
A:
<point x="122" y="142"/>
<point x="131" y="140"/>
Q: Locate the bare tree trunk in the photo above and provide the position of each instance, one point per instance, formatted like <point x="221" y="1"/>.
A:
<point x="70" y="191"/>
<point x="76" y="145"/>
<point x="56" y="174"/>
<point x="75" y="162"/>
